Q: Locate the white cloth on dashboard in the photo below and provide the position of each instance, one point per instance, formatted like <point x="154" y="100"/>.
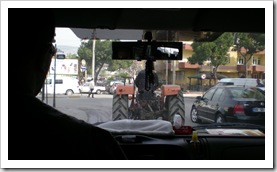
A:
<point x="139" y="126"/>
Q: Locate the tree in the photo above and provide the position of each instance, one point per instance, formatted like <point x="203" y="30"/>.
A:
<point x="119" y="64"/>
<point x="71" y="56"/>
<point x="248" y="44"/>
<point x="103" y="55"/>
<point x="216" y="52"/>
<point x="135" y="68"/>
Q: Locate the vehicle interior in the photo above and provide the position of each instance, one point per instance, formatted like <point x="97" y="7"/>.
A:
<point x="160" y="139"/>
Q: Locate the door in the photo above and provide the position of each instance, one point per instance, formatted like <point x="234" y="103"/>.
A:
<point x="204" y="106"/>
<point x="60" y="87"/>
<point x="215" y="104"/>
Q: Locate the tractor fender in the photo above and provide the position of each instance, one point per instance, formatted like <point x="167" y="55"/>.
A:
<point x="168" y="90"/>
<point x="125" y="89"/>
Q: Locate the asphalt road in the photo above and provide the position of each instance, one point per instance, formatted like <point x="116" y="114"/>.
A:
<point x="97" y="109"/>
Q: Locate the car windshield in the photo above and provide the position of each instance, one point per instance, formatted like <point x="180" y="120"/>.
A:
<point x="163" y="81"/>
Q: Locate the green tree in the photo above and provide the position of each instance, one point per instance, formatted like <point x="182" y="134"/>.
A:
<point x="216" y="52"/>
<point x="103" y="55"/>
<point x="71" y="56"/>
<point x="119" y="64"/>
<point x="251" y="43"/>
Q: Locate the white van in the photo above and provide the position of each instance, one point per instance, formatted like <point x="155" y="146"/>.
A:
<point x="64" y="85"/>
<point x="249" y="82"/>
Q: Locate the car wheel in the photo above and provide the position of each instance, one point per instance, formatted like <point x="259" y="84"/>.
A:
<point x="69" y="92"/>
<point x="194" y="115"/>
<point x="98" y="92"/>
<point x="219" y="119"/>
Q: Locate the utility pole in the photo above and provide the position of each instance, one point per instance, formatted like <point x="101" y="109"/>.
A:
<point x="54" y="81"/>
<point x="166" y="68"/>
<point x="173" y="72"/>
<point x="166" y="72"/>
<point x="173" y="65"/>
<point x="93" y="56"/>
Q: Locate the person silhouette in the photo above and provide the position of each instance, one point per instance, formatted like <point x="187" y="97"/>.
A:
<point x="37" y="131"/>
<point x="91" y="88"/>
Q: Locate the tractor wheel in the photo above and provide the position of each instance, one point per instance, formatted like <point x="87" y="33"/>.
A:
<point x="120" y="107"/>
<point x="175" y="105"/>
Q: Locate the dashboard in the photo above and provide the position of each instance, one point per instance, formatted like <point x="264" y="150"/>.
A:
<point x="143" y="147"/>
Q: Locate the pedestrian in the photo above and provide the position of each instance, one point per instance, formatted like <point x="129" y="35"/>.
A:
<point x="259" y="84"/>
<point x="37" y="131"/>
<point x="91" y="87"/>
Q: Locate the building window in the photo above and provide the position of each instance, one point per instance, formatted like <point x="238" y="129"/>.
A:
<point x="240" y="61"/>
<point x="256" y="61"/>
<point x="259" y="61"/>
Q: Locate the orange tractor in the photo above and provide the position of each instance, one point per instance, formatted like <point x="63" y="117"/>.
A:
<point x="142" y="102"/>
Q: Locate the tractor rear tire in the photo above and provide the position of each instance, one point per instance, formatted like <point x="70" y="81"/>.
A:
<point x="120" y="107"/>
<point x="175" y="105"/>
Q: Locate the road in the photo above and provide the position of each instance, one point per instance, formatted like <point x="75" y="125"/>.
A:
<point x="97" y="109"/>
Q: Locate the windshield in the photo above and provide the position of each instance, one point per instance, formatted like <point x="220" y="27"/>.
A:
<point x="151" y="77"/>
<point x="150" y="89"/>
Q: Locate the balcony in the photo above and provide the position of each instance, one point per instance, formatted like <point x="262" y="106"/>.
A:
<point x="253" y="68"/>
<point x="185" y="65"/>
<point x="258" y="68"/>
<point x="241" y="68"/>
<point x="222" y="68"/>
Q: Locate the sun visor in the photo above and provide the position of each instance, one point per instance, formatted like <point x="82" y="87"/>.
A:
<point x="118" y="34"/>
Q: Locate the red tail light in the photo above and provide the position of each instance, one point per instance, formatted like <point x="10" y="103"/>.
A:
<point x="238" y="109"/>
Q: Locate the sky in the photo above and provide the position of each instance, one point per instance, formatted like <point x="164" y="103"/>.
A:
<point x="64" y="36"/>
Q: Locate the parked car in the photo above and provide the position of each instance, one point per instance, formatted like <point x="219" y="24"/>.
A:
<point x="229" y="104"/>
<point x="248" y="82"/>
<point x="84" y="89"/>
<point x="63" y="85"/>
<point x="261" y="89"/>
<point x="113" y="87"/>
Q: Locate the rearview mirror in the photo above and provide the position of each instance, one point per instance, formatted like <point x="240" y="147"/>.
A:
<point x="147" y="50"/>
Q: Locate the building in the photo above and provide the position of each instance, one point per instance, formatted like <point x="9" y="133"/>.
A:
<point x="178" y="72"/>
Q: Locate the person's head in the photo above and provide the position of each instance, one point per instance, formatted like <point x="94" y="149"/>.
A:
<point x="30" y="35"/>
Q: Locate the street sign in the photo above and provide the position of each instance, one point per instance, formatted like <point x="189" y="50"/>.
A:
<point x="203" y="76"/>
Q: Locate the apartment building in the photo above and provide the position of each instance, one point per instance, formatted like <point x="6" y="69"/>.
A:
<point x="181" y="72"/>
